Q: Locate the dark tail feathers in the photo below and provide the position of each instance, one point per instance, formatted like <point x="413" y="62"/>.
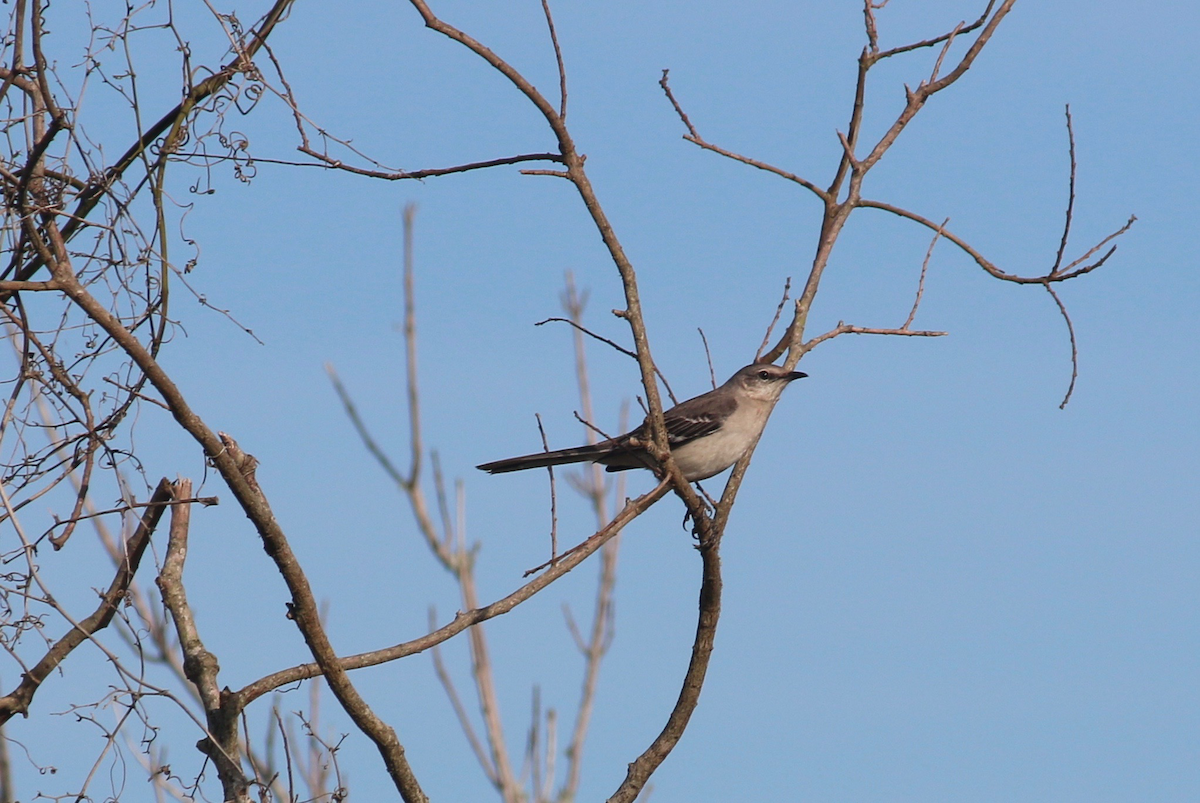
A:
<point x="579" y="454"/>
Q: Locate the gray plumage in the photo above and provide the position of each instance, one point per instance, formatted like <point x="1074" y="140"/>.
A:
<point x="706" y="434"/>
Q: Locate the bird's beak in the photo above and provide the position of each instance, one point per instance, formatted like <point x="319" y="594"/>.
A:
<point x="794" y="375"/>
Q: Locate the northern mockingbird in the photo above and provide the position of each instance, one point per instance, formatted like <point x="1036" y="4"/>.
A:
<point x="706" y="434"/>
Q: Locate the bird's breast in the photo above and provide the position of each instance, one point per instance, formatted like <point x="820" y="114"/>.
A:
<point x="712" y="454"/>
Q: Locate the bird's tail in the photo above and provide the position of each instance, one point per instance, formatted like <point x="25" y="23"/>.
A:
<point x="578" y="454"/>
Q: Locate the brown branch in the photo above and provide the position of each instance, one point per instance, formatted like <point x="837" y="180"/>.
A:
<point x="712" y="376"/>
<point x="1062" y="246"/>
<point x="99" y="186"/>
<point x="460" y="711"/>
<point x="581" y="328"/>
<point x="199" y="665"/>
<point x="849" y="329"/>
<point x="916" y="98"/>
<point x="602" y="613"/>
<point x="360" y="426"/>
<point x="1069" y="271"/>
<point x="232" y="464"/>
<point x="41" y="68"/>
<point x="558" y="58"/>
<point x="485" y="682"/>
<point x="17" y="701"/>
<point x="576" y="173"/>
<point x="1074" y="347"/>
<point x="9" y="287"/>
<point x="872" y="29"/>
<point x="410" y="349"/>
<point x="400" y="175"/>
<point x="687" y="123"/>
<point x="693" y="136"/>
<point x="850" y="138"/>
<point x="787" y="285"/>
<point x="452" y="550"/>
<point x="553" y="495"/>
<point x="411" y="484"/>
<point x="835" y="219"/>
<point x="689" y="695"/>
<point x="632" y="313"/>
<point x="958" y="29"/>
<point x="937" y="65"/>
<point x="464" y="620"/>
<point x="924" y="270"/>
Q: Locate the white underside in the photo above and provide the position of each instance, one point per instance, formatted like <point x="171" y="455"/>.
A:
<point x="712" y="454"/>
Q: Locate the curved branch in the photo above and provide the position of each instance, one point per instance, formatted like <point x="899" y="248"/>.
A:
<point x="916" y="98"/>
<point x="17" y="701"/>
<point x="578" y="176"/>
<point x="464" y="620"/>
<point x="1057" y="274"/>
<point x="937" y="40"/>
<point x="98" y="187"/>
<point x="1074" y="346"/>
<point x="236" y="468"/>
<point x="693" y="136"/>
<point x="399" y="175"/>
<point x="199" y="665"/>
<point x="580" y="328"/>
<point x="689" y="695"/>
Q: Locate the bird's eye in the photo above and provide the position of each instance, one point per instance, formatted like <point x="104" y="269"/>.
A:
<point x="764" y="375"/>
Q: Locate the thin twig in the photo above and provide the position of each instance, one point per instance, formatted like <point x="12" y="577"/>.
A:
<point x="694" y="137"/>
<point x="787" y="285"/>
<point x="558" y="58"/>
<point x="17" y="701"/>
<point x="1074" y="348"/>
<point x="1062" y="246"/>
<point x="592" y="429"/>
<point x="207" y="501"/>
<point x="546" y="172"/>
<point x="712" y="376"/>
<point x="589" y="333"/>
<point x="619" y="348"/>
<point x="460" y="711"/>
<point x="465" y="619"/>
<point x="924" y="269"/>
<point x="553" y="495"/>
<point x="222" y="745"/>
<point x="849" y="329"/>
<point x="960" y="29"/>
<point x="1069" y="271"/>
<point x="401" y="175"/>
<point x="937" y="65"/>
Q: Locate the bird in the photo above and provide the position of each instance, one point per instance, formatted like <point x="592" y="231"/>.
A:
<point x="706" y="434"/>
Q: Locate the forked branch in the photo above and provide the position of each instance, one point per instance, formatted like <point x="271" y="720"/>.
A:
<point x="17" y="701"/>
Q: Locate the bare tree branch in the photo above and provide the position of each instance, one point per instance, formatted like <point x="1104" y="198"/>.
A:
<point x="200" y="665"/>
<point x="465" y="619"/>
<point x="694" y="137"/>
<point x="17" y="701"/>
<point x="1062" y="246"/>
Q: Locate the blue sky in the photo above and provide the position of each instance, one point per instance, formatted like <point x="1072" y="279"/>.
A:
<point x="938" y="585"/>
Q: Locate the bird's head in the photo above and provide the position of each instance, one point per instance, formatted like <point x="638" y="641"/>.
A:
<point x="763" y="381"/>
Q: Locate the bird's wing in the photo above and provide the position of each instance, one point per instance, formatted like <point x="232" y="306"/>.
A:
<point x="697" y="417"/>
<point x="685" y="422"/>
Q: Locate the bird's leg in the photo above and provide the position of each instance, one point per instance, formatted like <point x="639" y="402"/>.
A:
<point x="687" y="514"/>
<point x="712" y="503"/>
